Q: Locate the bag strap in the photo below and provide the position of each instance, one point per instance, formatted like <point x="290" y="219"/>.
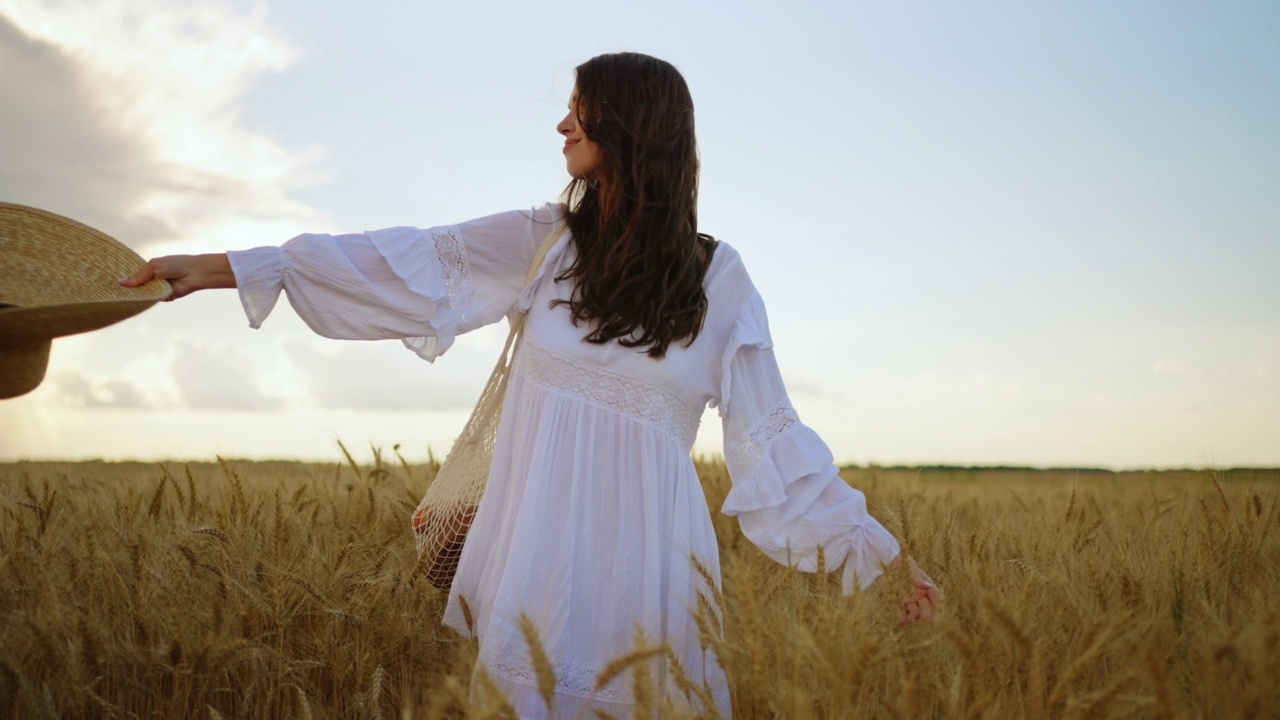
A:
<point x="543" y="249"/>
<point x="490" y="403"/>
<point x="517" y="320"/>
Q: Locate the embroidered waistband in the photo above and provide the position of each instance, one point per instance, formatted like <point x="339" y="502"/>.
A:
<point x="640" y="400"/>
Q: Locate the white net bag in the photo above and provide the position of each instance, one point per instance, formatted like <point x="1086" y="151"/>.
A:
<point x="443" y="518"/>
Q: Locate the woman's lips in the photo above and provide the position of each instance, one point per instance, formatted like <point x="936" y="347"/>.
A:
<point x="568" y="144"/>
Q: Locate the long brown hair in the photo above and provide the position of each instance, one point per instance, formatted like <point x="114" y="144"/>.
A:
<point x="640" y="258"/>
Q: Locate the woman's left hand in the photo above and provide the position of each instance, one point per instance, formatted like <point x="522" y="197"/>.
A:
<point x="185" y="273"/>
<point x="922" y="598"/>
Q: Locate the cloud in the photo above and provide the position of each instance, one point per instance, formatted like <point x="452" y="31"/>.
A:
<point x="809" y="386"/>
<point x="1169" y="367"/>
<point x="79" y="389"/>
<point x="218" y="378"/>
<point x="189" y="374"/>
<point x="945" y="385"/>
<point x="125" y="114"/>
<point x="382" y="376"/>
<point x="57" y="150"/>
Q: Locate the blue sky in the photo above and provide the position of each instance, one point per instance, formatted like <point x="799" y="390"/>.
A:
<point x="986" y="232"/>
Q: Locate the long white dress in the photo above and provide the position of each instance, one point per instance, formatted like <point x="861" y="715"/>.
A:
<point x="593" y="510"/>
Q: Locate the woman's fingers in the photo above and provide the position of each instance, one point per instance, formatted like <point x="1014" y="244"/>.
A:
<point x="928" y="602"/>
<point x="926" y="609"/>
<point x="920" y="606"/>
<point x="145" y="274"/>
<point x="921" y="598"/>
<point x="174" y="268"/>
<point x="909" y="613"/>
<point x="186" y="273"/>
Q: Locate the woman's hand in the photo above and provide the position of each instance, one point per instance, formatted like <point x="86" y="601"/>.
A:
<point x="186" y="273"/>
<point x="921" y="598"/>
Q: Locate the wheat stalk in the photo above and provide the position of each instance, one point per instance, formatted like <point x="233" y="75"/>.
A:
<point x="542" y="668"/>
<point x="1141" y="597"/>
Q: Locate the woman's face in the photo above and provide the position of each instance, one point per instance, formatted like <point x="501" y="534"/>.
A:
<point x="581" y="154"/>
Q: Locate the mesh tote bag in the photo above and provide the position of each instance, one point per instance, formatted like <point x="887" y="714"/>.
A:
<point x="444" y="516"/>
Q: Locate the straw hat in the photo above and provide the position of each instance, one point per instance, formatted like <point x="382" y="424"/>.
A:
<point x="58" y="277"/>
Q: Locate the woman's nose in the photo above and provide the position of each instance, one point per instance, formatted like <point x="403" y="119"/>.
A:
<point x="564" y="128"/>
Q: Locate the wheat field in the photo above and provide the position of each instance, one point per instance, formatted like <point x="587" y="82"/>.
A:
<point x="287" y="590"/>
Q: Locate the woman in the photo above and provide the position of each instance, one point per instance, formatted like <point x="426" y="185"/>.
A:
<point x="593" y="513"/>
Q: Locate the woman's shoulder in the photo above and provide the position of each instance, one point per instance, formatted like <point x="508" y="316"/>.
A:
<point x="727" y="269"/>
<point x="545" y="215"/>
<point x="549" y="212"/>
<point x="730" y="293"/>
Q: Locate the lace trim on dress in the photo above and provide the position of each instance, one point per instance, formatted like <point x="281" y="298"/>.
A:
<point x="746" y="453"/>
<point x="640" y="400"/>
<point x="572" y="677"/>
<point x="454" y="268"/>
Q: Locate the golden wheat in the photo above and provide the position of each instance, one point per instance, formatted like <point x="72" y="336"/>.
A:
<point x="274" y="590"/>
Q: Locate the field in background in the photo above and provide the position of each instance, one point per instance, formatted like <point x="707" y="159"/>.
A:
<point x="279" y="590"/>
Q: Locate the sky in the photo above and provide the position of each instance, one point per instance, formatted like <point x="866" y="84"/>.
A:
<point x="986" y="232"/>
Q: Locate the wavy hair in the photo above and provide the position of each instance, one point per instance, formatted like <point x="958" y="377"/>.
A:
<point x="640" y="258"/>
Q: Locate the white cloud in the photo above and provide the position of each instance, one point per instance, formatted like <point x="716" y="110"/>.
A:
<point x="125" y="114"/>
<point x="56" y="149"/>
<point x="809" y="385"/>
<point x="947" y="386"/>
<point x="218" y="378"/>
<point x="78" y="389"/>
<point x="381" y="376"/>
<point x="1170" y="367"/>
<point x="190" y="374"/>
<point x="160" y="85"/>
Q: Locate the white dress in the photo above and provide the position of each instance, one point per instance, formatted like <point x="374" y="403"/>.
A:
<point x="593" y="509"/>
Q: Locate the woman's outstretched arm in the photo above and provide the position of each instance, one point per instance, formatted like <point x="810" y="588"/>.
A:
<point x="791" y="502"/>
<point x="423" y="286"/>
<point x="186" y="273"/>
<point x="787" y="492"/>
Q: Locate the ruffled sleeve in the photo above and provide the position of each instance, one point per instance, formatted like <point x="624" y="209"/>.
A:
<point x="423" y="286"/>
<point x="787" y="493"/>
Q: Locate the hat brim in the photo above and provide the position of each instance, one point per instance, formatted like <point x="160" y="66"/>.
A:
<point x="43" y="323"/>
<point x="58" y="277"/>
<point x="22" y="366"/>
<point x="47" y="260"/>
